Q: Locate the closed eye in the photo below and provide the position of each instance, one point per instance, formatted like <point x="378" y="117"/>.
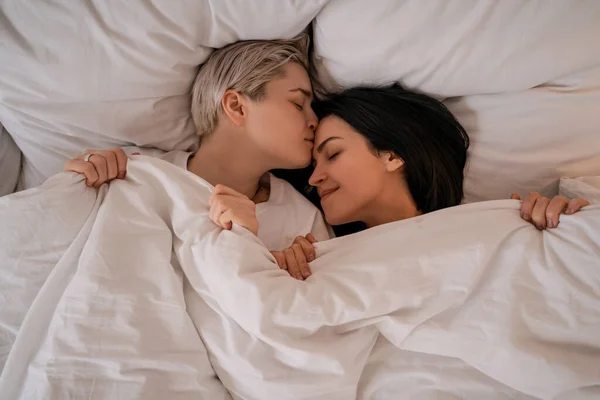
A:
<point x="332" y="157"/>
<point x="298" y="106"/>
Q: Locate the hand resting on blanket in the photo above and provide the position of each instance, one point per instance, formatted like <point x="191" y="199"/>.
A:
<point x="228" y="206"/>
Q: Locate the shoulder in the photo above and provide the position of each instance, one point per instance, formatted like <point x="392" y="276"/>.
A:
<point x="178" y="158"/>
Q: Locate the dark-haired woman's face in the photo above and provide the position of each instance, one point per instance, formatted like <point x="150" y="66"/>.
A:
<point x="350" y="178"/>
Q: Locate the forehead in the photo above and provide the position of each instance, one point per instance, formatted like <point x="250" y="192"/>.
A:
<point x="294" y="77"/>
<point x="333" y="126"/>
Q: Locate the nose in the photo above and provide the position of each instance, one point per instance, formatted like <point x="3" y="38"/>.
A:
<point x="317" y="178"/>
<point x="313" y="121"/>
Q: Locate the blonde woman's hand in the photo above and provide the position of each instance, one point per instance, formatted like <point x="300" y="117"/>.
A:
<point x="228" y="206"/>
<point x="543" y="212"/>
<point x="99" y="166"/>
<point x="295" y="258"/>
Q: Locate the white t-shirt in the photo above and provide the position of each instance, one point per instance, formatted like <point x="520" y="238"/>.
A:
<point x="284" y="216"/>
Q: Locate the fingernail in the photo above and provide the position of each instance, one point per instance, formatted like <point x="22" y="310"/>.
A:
<point x="569" y="211"/>
<point x="298" y="276"/>
<point x="526" y="216"/>
<point x="311" y="258"/>
<point x="549" y="223"/>
<point x="306" y="272"/>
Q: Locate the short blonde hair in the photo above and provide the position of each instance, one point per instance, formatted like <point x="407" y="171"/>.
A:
<point x="245" y="67"/>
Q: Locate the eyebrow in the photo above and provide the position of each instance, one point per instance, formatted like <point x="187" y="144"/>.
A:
<point x="305" y="92"/>
<point x="324" y="142"/>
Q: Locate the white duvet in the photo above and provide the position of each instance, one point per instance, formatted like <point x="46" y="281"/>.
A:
<point x="131" y="292"/>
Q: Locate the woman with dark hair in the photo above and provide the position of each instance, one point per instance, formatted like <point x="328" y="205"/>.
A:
<point x="386" y="154"/>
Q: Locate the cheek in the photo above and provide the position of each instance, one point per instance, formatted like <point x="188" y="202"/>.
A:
<point x="278" y="126"/>
<point x="360" y="184"/>
<point x="285" y="120"/>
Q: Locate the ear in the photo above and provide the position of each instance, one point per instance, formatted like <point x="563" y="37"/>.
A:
<point x="234" y="106"/>
<point x="391" y="161"/>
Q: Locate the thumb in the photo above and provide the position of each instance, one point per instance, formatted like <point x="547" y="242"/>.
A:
<point x="311" y="238"/>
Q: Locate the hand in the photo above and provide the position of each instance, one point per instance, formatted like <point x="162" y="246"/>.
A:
<point x="295" y="258"/>
<point x="545" y="213"/>
<point x="102" y="166"/>
<point x="228" y="206"/>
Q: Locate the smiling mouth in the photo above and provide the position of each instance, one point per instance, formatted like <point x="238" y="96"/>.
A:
<point x="328" y="193"/>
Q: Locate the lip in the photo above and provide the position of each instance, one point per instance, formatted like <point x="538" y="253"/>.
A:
<point x="326" y="193"/>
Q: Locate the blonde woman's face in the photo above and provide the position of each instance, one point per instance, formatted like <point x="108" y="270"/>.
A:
<point x="282" y="124"/>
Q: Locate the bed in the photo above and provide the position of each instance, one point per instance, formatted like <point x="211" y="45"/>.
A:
<point x="523" y="77"/>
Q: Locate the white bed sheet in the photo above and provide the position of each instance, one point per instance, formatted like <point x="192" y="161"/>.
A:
<point x="473" y="289"/>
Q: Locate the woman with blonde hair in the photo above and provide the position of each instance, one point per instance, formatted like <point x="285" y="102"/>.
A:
<point x="251" y="105"/>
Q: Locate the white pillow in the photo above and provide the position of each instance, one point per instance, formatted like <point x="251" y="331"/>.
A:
<point x="528" y="71"/>
<point x="526" y="141"/>
<point x="455" y="48"/>
<point x="116" y="73"/>
<point x="10" y="163"/>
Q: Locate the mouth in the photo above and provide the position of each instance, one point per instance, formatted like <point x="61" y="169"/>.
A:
<point x="326" y="193"/>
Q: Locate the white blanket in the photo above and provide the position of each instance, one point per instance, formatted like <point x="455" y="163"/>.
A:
<point x="510" y="311"/>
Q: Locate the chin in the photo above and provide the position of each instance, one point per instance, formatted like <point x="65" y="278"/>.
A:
<point x="299" y="162"/>
<point x="336" y="218"/>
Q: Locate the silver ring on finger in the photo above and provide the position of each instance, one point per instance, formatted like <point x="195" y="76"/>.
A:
<point x="87" y="157"/>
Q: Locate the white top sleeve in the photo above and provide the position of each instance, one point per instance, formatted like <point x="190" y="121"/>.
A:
<point x="286" y="215"/>
<point x="320" y="229"/>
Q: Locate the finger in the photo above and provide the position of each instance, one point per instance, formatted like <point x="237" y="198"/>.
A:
<point x="311" y="238"/>
<point x="538" y="215"/>
<point x="555" y="208"/>
<point x="121" y="162"/>
<point x="515" y="196"/>
<point x="112" y="169"/>
<point x="290" y="260"/>
<point x="528" y="204"/>
<point x="226" y="190"/>
<point x="575" y="205"/>
<point x="280" y="258"/>
<point x="100" y="165"/>
<point x="216" y="210"/>
<point x="307" y="248"/>
<point x="301" y="260"/>
<point x="85" y="153"/>
<point x="226" y="219"/>
<point x="82" y="167"/>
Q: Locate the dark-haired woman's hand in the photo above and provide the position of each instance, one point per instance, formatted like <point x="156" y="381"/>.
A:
<point x="543" y="212"/>
<point x="295" y="258"/>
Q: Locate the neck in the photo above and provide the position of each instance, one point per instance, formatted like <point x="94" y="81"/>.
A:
<point x="394" y="204"/>
<point x="224" y="158"/>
